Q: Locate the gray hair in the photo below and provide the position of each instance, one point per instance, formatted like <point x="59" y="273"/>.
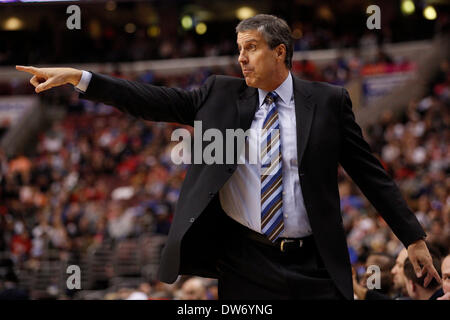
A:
<point x="274" y="30"/>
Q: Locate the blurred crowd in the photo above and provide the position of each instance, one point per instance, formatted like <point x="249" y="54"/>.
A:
<point x="414" y="150"/>
<point x="99" y="175"/>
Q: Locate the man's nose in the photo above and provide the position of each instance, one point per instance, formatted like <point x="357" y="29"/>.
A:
<point x="242" y="58"/>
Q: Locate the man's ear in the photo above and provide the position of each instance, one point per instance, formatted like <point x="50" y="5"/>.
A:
<point x="410" y="288"/>
<point x="280" y="51"/>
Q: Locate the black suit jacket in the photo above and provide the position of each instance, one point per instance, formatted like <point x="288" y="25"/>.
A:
<point x="327" y="135"/>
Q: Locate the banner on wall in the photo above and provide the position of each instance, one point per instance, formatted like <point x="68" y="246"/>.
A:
<point x="379" y="80"/>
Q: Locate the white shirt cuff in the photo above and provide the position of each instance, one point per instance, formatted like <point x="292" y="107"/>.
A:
<point x="84" y="81"/>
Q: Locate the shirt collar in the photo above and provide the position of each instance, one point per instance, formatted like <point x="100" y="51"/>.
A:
<point x="284" y="91"/>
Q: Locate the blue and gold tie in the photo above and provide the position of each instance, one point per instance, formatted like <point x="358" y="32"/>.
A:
<point x="272" y="223"/>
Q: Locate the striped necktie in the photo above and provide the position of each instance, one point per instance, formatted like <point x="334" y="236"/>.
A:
<point x="272" y="223"/>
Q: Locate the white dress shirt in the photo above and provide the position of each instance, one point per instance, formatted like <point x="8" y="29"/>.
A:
<point x="84" y="81"/>
<point x="240" y="197"/>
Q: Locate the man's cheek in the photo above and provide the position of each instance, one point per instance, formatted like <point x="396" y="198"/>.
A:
<point x="446" y="286"/>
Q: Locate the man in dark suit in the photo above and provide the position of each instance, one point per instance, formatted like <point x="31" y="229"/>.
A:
<point x="270" y="229"/>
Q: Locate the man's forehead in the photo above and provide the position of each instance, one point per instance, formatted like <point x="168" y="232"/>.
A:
<point x="248" y="36"/>
<point x="446" y="263"/>
<point x="402" y="256"/>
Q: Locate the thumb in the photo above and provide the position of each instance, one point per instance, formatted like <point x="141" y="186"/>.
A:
<point x="44" y="86"/>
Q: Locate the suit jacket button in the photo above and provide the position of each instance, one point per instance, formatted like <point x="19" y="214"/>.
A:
<point x="191" y="219"/>
<point x="211" y="194"/>
<point x="230" y="169"/>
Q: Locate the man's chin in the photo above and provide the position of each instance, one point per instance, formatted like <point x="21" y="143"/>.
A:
<point x="398" y="287"/>
<point x="250" y="82"/>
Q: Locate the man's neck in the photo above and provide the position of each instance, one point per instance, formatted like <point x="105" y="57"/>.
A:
<point x="426" y="294"/>
<point x="279" y="78"/>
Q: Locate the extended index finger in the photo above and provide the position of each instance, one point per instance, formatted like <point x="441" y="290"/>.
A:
<point x="28" y="69"/>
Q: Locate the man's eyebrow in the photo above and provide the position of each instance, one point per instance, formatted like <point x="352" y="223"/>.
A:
<point x="250" y="40"/>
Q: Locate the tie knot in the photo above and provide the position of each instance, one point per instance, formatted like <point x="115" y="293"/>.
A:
<point x="271" y="97"/>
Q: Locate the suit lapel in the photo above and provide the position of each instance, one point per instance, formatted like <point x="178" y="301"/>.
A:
<point x="247" y="105"/>
<point x="304" y="113"/>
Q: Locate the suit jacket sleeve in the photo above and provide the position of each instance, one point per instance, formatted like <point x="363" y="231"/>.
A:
<point x="367" y="172"/>
<point x="149" y="102"/>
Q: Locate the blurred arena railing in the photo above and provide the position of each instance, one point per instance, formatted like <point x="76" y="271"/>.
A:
<point x="105" y="267"/>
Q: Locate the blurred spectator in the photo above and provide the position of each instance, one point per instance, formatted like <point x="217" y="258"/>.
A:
<point x="391" y="278"/>
<point x="142" y="293"/>
<point x="399" y="275"/>
<point x="163" y="291"/>
<point x="9" y="288"/>
<point x="445" y="269"/>
<point x="193" y="289"/>
<point x="415" y="286"/>
<point x="212" y="292"/>
<point x="385" y="263"/>
<point x="20" y="243"/>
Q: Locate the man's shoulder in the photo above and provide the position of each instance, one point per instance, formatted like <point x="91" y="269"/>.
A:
<point x="316" y="87"/>
<point x="229" y="83"/>
<point x="229" y="80"/>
